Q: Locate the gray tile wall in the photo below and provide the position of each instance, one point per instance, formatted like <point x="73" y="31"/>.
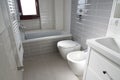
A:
<point x="32" y="24"/>
<point x="95" y="24"/>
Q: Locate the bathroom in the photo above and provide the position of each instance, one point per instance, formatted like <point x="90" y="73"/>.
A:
<point x="59" y="39"/>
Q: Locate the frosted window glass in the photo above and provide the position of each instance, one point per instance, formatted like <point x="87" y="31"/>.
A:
<point x="28" y="7"/>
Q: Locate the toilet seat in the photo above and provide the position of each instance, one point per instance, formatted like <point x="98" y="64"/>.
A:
<point x="76" y="56"/>
<point x="67" y="44"/>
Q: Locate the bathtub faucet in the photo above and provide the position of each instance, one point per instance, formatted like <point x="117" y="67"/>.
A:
<point x="22" y="28"/>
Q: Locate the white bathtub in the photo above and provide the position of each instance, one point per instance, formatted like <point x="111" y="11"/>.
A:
<point x="43" y="42"/>
<point x="42" y="33"/>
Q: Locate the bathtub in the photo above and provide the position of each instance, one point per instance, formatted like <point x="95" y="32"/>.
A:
<point x="43" y="42"/>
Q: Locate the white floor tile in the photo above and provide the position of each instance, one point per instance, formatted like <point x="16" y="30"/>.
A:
<point x="47" y="67"/>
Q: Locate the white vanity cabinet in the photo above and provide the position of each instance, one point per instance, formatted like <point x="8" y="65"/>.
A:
<point x="104" y="54"/>
<point x="101" y="68"/>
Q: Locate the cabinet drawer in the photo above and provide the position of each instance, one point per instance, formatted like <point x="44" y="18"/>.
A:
<point x="104" y="67"/>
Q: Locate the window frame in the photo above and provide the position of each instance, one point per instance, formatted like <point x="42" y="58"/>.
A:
<point x="27" y="17"/>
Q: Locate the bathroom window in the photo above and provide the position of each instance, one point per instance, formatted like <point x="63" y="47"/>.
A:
<point x="29" y="9"/>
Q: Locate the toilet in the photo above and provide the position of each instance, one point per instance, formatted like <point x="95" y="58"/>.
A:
<point x="70" y="50"/>
<point x="67" y="46"/>
<point x="77" y="62"/>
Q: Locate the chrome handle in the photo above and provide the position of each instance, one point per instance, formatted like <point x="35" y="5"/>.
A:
<point x="22" y="28"/>
<point x="21" y="68"/>
<point x="105" y="72"/>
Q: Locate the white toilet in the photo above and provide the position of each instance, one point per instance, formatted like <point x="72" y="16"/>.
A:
<point x="77" y="62"/>
<point x="70" y="50"/>
<point x="67" y="46"/>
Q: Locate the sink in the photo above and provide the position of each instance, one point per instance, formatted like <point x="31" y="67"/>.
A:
<point x="111" y="43"/>
<point x="107" y="46"/>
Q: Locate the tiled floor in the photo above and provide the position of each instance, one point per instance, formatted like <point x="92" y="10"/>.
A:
<point x="47" y="67"/>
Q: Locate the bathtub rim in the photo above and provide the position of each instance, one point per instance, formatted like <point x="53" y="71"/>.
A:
<point x="48" y="37"/>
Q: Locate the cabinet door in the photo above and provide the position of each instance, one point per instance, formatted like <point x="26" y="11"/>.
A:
<point x="103" y="67"/>
<point x="91" y="75"/>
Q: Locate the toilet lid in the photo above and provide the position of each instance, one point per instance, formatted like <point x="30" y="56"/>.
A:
<point x="67" y="44"/>
<point x="76" y="56"/>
